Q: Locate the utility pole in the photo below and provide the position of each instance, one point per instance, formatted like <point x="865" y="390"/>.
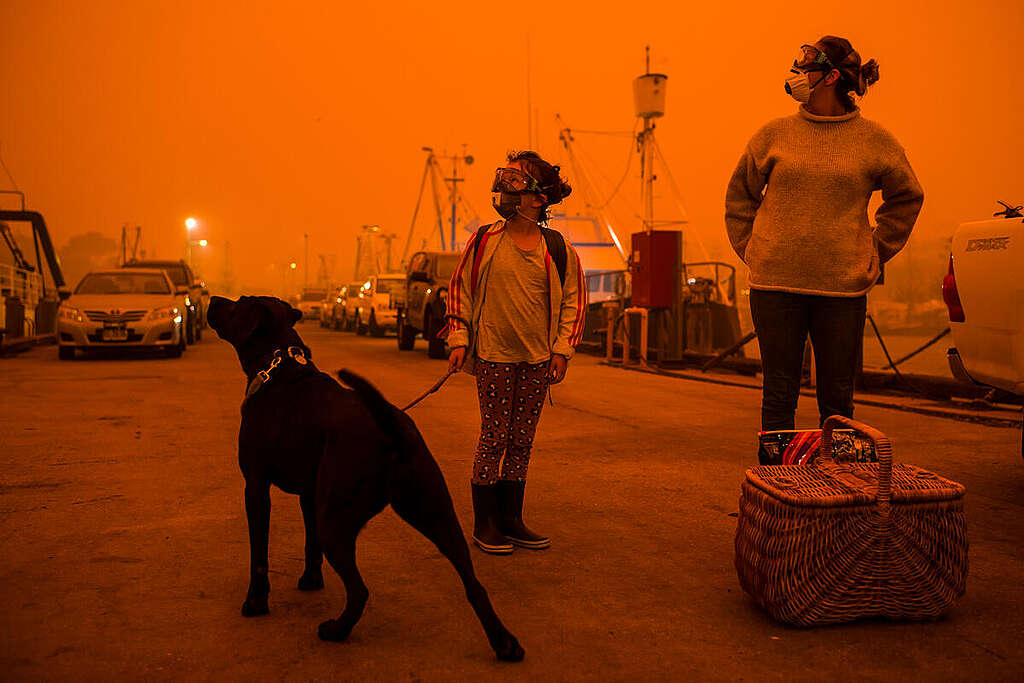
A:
<point x="305" y="266"/>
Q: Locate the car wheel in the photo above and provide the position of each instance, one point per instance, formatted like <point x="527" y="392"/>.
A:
<point x="198" y="334"/>
<point x="360" y="327"/>
<point x="375" y="329"/>
<point x="435" y="346"/>
<point x="66" y="352"/>
<point x="190" y="331"/>
<point x="174" y="351"/>
<point x="406" y="335"/>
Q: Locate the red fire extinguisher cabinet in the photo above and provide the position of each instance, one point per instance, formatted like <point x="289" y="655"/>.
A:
<point x="656" y="268"/>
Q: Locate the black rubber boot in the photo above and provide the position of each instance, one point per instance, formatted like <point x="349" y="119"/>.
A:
<point x="510" y="521"/>
<point x="485" y="528"/>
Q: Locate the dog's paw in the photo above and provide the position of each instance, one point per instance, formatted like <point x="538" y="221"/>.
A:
<point x="311" y="581"/>
<point x="508" y="648"/>
<point x="334" y="631"/>
<point x="254" y="607"/>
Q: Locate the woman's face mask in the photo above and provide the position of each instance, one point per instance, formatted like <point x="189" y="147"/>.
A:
<point x="798" y="86"/>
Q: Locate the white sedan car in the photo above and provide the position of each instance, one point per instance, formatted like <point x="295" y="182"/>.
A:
<point x="122" y="308"/>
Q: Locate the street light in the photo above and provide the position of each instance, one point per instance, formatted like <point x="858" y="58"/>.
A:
<point x="191" y="224"/>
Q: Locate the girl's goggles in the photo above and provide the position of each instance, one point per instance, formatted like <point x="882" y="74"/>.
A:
<point x="813" y="59"/>
<point x="514" y="180"/>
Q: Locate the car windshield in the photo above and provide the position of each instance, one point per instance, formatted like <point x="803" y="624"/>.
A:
<point x="177" y="273"/>
<point x="314" y="295"/>
<point x="123" y="283"/>
<point x="391" y="286"/>
<point x="446" y="266"/>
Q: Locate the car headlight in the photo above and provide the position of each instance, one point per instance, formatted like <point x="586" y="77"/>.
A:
<point x="69" y="313"/>
<point x="165" y="313"/>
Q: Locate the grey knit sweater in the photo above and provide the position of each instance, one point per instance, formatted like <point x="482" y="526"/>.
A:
<point x="796" y="205"/>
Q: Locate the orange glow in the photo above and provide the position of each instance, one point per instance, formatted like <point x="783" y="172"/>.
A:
<point x="276" y="121"/>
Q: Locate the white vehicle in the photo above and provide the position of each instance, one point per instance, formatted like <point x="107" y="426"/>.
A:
<point x="984" y="293"/>
<point x="122" y="308"/>
<point x="380" y="297"/>
<point x="310" y="302"/>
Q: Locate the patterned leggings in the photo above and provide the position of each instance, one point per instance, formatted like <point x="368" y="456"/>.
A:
<point x="511" y="398"/>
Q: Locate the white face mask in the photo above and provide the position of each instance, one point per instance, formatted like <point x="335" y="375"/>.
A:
<point x="798" y="87"/>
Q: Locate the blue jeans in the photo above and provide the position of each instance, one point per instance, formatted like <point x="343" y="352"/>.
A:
<point x="782" y="321"/>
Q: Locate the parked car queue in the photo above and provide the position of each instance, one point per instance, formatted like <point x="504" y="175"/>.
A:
<point x="405" y="304"/>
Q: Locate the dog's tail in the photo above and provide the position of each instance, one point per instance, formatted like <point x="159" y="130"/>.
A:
<point x="383" y="412"/>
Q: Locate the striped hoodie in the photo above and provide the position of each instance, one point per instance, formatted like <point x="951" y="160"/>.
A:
<point x="567" y="305"/>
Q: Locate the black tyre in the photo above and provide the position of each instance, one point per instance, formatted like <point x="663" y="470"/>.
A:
<point x="198" y="334"/>
<point x="174" y="351"/>
<point x="406" y="335"/>
<point x="361" y="329"/>
<point x="375" y="329"/>
<point x="190" y="331"/>
<point x="66" y="352"/>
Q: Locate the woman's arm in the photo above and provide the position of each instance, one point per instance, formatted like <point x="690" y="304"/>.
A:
<point x="460" y="298"/>
<point x="902" y="197"/>
<point x="742" y="199"/>
<point x="572" y="315"/>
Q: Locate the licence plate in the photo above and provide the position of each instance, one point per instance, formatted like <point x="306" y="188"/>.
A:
<point x="114" y="334"/>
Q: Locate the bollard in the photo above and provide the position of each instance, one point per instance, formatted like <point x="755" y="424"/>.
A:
<point x="642" y="349"/>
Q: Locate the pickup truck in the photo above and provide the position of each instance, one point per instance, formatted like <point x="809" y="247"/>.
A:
<point x="195" y="302"/>
<point x="984" y="293"/>
<point x="426" y="296"/>
<point x="379" y="301"/>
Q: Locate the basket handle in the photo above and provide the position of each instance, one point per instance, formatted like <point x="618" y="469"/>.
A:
<point x="883" y="448"/>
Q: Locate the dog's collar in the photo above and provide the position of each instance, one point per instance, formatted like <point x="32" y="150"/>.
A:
<point x="264" y="376"/>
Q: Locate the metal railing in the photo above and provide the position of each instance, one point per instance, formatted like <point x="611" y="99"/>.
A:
<point x="23" y="284"/>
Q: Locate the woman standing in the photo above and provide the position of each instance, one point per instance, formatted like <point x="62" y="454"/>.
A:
<point x="516" y="307"/>
<point x="796" y="213"/>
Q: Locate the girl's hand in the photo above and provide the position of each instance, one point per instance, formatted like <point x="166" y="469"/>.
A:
<point x="456" y="359"/>
<point x="556" y="368"/>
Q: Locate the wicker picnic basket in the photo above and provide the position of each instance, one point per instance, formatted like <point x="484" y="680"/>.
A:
<point x="833" y="542"/>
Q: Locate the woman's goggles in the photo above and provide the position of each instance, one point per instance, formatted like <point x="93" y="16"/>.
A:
<point x="813" y="59"/>
<point x="514" y="180"/>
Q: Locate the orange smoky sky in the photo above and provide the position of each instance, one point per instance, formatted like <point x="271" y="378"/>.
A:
<point x="268" y="120"/>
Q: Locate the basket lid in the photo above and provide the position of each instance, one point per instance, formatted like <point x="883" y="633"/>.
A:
<point x="828" y="484"/>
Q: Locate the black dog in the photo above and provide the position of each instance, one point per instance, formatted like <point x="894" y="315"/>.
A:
<point x="346" y="454"/>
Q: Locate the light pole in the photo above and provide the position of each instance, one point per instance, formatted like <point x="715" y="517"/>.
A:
<point x="190" y="225"/>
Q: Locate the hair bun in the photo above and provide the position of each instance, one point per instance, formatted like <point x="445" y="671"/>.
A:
<point x="868" y="76"/>
<point x="564" y="190"/>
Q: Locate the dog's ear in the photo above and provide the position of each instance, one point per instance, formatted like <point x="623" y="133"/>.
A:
<point x="295" y="313"/>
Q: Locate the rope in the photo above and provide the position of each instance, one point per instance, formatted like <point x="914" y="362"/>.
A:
<point x="910" y="385"/>
<point x="910" y="355"/>
<point x="431" y="390"/>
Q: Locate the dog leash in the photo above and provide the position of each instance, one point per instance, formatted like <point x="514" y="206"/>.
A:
<point x="431" y="390"/>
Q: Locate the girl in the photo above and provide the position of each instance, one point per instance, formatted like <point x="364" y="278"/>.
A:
<point x="796" y="213"/>
<point x="516" y="307"/>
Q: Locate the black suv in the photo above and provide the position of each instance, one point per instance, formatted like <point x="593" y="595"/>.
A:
<point x="426" y="298"/>
<point x="196" y="300"/>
